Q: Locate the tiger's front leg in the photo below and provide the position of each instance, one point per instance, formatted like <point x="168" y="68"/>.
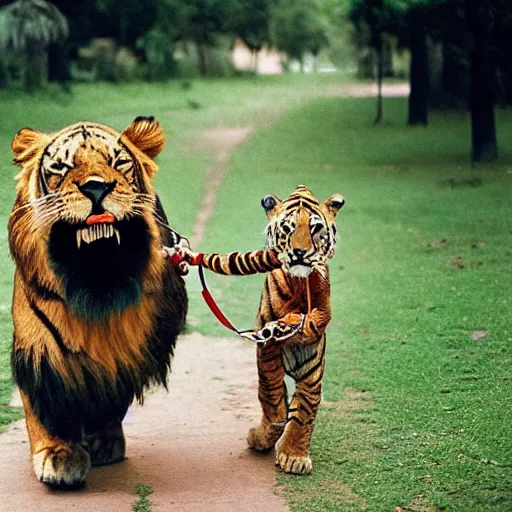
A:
<point x="56" y="462"/>
<point x="305" y="363"/>
<point x="272" y="397"/>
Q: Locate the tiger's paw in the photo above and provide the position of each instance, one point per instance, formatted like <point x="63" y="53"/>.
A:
<point x="62" y="465"/>
<point x="107" y="446"/>
<point x="294" y="464"/>
<point x="263" y="438"/>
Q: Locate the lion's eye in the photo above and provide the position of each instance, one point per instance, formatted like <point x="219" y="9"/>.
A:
<point x="59" y="166"/>
<point x="122" y="165"/>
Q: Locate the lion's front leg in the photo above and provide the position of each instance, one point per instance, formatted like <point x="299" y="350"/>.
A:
<point x="107" y="446"/>
<point x="56" y="462"/>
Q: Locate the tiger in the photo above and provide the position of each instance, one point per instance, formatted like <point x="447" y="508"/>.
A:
<point x="293" y="315"/>
<point x="96" y="310"/>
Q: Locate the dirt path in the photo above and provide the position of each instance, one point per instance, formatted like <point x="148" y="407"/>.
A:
<point x="221" y="141"/>
<point x="189" y="444"/>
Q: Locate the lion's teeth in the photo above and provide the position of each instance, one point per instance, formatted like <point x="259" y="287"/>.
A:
<point x="95" y="232"/>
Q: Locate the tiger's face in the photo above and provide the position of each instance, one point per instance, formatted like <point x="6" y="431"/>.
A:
<point x="86" y="193"/>
<point x="302" y="229"/>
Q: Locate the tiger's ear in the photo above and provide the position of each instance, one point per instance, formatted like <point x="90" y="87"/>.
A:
<point x="26" y="143"/>
<point x="334" y="203"/>
<point x="269" y="202"/>
<point x="147" y="135"/>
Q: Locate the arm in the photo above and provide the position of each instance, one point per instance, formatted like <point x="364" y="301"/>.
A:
<point x="317" y="319"/>
<point x="236" y="263"/>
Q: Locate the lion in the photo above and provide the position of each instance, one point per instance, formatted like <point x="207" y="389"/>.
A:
<point x="96" y="307"/>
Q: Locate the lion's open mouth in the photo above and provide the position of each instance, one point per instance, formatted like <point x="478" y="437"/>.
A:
<point x="101" y="264"/>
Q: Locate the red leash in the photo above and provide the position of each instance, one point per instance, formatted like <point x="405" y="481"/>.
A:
<point x="179" y="260"/>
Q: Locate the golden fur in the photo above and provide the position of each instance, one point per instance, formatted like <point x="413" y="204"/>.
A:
<point x="95" y="319"/>
<point x="301" y="235"/>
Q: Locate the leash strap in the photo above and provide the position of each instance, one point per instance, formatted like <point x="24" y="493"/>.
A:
<point x="210" y="301"/>
<point x="259" y="336"/>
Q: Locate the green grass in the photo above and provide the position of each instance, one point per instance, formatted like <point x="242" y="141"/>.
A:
<point x="417" y="411"/>
<point x="143" y="504"/>
<point x="233" y="102"/>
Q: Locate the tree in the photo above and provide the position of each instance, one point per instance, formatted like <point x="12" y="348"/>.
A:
<point x="201" y="21"/>
<point x="375" y="18"/>
<point x="419" y="70"/>
<point x="297" y="27"/>
<point x="480" y="18"/>
<point x="250" y="22"/>
<point x="28" y="28"/>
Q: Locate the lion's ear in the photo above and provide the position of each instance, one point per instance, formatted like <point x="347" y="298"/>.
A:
<point x="25" y="143"/>
<point x="147" y="135"/>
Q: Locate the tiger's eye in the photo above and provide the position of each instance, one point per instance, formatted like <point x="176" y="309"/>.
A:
<point x="316" y="228"/>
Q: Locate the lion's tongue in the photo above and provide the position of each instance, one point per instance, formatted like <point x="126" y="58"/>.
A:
<point x="103" y="218"/>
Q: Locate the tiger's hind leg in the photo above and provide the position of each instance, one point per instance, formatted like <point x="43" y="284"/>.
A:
<point x="273" y="400"/>
<point x="56" y="462"/>
<point x="292" y="449"/>
<point x="107" y="446"/>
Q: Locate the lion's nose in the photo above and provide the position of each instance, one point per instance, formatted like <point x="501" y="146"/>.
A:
<point x="96" y="191"/>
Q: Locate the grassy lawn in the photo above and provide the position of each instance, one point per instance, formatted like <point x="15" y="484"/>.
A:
<point x="183" y="109"/>
<point x="417" y="391"/>
<point x="418" y="387"/>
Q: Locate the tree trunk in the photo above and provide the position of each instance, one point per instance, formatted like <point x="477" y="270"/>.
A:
<point x="36" y="66"/>
<point x="484" y="147"/>
<point x="419" y="76"/>
<point x="454" y="77"/>
<point x="201" y="53"/>
<point x="380" y="74"/>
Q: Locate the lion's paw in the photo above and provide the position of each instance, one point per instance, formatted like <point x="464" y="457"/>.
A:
<point x="107" y="446"/>
<point x="294" y="464"/>
<point x="65" y="465"/>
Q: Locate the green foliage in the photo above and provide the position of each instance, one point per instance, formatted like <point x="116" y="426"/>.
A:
<point x="298" y="27"/>
<point x="27" y="29"/>
<point x="27" y="22"/>
<point x="142" y="504"/>
<point x="249" y="20"/>
<point x="158" y="46"/>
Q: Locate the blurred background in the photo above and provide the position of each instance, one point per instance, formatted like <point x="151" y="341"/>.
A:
<point x="455" y="53"/>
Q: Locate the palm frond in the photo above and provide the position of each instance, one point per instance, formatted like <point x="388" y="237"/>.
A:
<point x="29" y="21"/>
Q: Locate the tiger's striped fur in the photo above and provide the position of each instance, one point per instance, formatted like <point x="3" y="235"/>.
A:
<point x="301" y="235"/>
